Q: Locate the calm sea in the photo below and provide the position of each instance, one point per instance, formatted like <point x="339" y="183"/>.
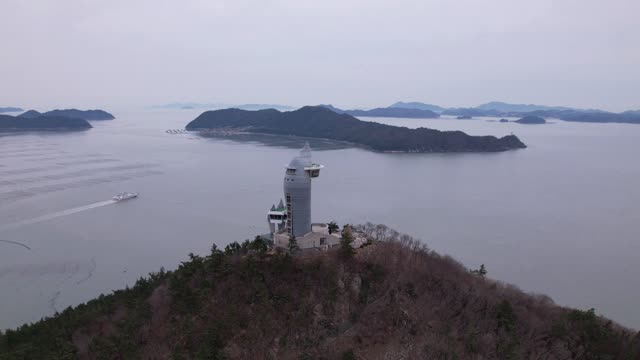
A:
<point x="559" y="218"/>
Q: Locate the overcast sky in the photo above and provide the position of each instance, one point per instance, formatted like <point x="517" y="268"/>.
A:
<point x="351" y="53"/>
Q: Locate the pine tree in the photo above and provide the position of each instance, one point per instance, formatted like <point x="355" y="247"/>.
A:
<point x="333" y="227"/>
<point x="232" y="249"/>
<point x="482" y="271"/>
<point x="259" y="245"/>
<point x="293" y="244"/>
<point x="346" y="250"/>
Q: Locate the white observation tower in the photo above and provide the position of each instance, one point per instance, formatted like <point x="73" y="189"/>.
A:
<point x="297" y="192"/>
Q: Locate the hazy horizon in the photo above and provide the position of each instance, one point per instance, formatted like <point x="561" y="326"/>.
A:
<point x="357" y="54"/>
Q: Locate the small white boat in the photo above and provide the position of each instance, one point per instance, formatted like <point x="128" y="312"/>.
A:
<point x="125" y="196"/>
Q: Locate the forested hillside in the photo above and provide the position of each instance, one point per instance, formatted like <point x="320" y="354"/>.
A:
<point x="392" y="299"/>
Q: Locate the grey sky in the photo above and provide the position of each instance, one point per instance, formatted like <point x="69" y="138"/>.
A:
<point x="359" y="53"/>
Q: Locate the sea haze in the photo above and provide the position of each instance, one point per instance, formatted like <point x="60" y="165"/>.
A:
<point x="559" y="217"/>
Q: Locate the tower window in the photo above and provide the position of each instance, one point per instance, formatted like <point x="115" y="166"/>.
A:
<point x="291" y="171"/>
<point x="289" y="214"/>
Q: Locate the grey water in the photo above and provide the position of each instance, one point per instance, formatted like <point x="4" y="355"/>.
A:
<point x="560" y="217"/>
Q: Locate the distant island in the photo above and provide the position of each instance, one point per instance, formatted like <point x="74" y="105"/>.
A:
<point x="531" y="120"/>
<point x="502" y="109"/>
<point x="470" y="112"/>
<point x="10" y="109"/>
<point x="42" y="122"/>
<point x="320" y="122"/>
<point x="629" y="117"/>
<point x="69" y="119"/>
<point x="464" y="117"/>
<point x="392" y="298"/>
<point x="70" y="113"/>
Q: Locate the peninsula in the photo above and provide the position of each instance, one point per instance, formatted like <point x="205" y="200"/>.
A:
<point x="42" y="122"/>
<point x="320" y="122"/>
<point x="391" y="298"/>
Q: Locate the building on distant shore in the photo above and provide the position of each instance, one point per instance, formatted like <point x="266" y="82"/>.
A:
<point x="292" y="219"/>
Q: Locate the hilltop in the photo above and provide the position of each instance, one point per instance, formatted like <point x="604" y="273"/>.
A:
<point x="393" y="299"/>
<point x="41" y="122"/>
<point x="320" y="122"/>
<point x="30" y="114"/>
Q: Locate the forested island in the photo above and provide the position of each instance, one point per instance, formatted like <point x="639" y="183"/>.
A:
<point x="42" y="122"/>
<point x="69" y="119"/>
<point x="393" y="298"/>
<point x="70" y="113"/>
<point x="320" y="122"/>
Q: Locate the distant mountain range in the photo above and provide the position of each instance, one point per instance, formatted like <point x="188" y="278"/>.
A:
<point x="391" y="112"/>
<point x="322" y="122"/>
<point x="418" y="105"/>
<point x="10" y="109"/>
<point x="521" y="108"/>
<point x="490" y="107"/>
<point x="214" y="106"/>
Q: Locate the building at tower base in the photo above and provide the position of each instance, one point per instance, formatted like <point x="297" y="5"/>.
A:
<point x="316" y="239"/>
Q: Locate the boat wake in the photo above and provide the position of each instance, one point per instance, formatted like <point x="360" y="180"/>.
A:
<point x="16" y="243"/>
<point x="57" y="215"/>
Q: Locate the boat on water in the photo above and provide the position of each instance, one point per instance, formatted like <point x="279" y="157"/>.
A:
<point x="125" y="196"/>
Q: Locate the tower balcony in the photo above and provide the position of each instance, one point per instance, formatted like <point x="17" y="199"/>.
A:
<point x="313" y="170"/>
